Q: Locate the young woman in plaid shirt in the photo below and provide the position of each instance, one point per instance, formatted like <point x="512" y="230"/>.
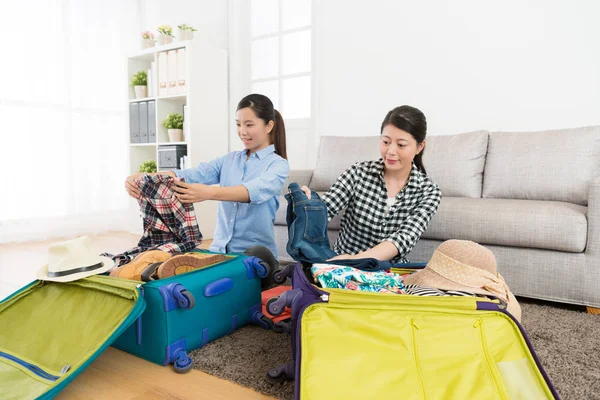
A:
<point x="389" y="202"/>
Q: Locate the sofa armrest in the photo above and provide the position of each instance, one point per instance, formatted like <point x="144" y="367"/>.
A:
<point x="300" y="176"/>
<point x="593" y="216"/>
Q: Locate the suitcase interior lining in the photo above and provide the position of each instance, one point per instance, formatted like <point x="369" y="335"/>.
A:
<point x="52" y="324"/>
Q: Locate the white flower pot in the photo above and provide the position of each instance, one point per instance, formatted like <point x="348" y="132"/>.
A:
<point x="140" y="91"/>
<point x="185" y="35"/>
<point x="175" y="135"/>
<point x="146" y="43"/>
<point x="165" y="39"/>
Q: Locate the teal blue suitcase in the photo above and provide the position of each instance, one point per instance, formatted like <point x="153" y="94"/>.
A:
<point x="185" y="312"/>
<point x="51" y="331"/>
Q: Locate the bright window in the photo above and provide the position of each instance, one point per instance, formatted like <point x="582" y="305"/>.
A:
<point x="281" y="54"/>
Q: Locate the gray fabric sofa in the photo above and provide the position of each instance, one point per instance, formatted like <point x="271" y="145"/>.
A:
<point x="533" y="198"/>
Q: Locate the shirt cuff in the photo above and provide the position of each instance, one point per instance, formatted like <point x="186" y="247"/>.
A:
<point x="181" y="174"/>
<point x="253" y="191"/>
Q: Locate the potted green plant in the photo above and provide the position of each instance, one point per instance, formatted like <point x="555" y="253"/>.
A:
<point x="174" y="125"/>
<point x="139" y="81"/>
<point x="147" y="39"/>
<point x="166" y="34"/>
<point x="186" y="32"/>
<point x="148" y="166"/>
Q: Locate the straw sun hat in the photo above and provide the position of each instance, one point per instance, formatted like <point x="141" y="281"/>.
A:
<point x="466" y="266"/>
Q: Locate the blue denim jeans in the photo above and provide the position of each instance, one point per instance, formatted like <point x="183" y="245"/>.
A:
<point x="307" y="234"/>
<point x="307" y="226"/>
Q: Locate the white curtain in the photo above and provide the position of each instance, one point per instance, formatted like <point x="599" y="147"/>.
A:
<point x="63" y="116"/>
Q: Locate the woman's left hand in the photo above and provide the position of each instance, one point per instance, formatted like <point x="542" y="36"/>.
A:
<point x="192" y="192"/>
<point x="343" y="257"/>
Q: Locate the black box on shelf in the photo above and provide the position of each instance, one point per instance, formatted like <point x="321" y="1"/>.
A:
<point x="169" y="155"/>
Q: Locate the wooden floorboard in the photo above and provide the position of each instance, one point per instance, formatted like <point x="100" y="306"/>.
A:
<point x="119" y="375"/>
<point x="116" y="374"/>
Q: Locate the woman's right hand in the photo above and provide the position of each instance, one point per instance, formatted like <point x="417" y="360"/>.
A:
<point x="306" y="191"/>
<point x="131" y="187"/>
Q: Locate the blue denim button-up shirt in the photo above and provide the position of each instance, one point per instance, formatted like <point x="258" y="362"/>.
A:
<point x="243" y="225"/>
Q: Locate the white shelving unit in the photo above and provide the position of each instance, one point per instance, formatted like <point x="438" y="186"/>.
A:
<point x="206" y="124"/>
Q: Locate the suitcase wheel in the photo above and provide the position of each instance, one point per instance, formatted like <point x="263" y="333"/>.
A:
<point x="262" y="269"/>
<point x="282" y="274"/>
<point x="276" y="305"/>
<point x="267" y="265"/>
<point x="262" y="320"/>
<point x="184" y="299"/>
<point x="282" y="373"/>
<point x="183" y="363"/>
<point x="279" y="277"/>
<point x="275" y="308"/>
<point x="266" y="322"/>
<point x="282" y="327"/>
<point x="276" y="375"/>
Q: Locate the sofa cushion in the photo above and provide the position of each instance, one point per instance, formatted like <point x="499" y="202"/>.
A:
<point x="299" y="176"/>
<point x="518" y="223"/>
<point x="338" y="153"/>
<point x="553" y="165"/>
<point x="456" y="162"/>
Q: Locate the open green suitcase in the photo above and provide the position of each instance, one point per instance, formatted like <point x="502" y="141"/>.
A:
<point x="51" y="331"/>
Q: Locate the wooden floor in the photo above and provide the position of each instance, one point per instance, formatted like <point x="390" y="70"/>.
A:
<point x="116" y="374"/>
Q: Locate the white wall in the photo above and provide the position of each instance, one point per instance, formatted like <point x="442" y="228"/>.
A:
<point x="469" y="64"/>
<point x="208" y="16"/>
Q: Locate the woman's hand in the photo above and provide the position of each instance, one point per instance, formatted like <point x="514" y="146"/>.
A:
<point x="343" y="257"/>
<point x="192" y="192"/>
<point x="131" y="187"/>
<point x="306" y="191"/>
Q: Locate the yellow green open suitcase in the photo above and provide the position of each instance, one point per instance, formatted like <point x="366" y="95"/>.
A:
<point x="51" y="331"/>
<point x="363" y="345"/>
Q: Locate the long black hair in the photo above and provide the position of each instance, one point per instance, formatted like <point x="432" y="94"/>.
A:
<point x="411" y="120"/>
<point x="263" y="108"/>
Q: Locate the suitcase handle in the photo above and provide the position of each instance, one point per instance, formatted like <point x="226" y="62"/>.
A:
<point x="218" y="287"/>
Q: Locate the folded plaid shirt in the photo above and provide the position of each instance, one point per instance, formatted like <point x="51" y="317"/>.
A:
<point x="169" y="225"/>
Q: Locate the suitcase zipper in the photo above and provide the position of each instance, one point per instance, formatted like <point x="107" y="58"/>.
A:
<point x="413" y="338"/>
<point x="33" y="368"/>
<point x="488" y="361"/>
<point x="357" y="298"/>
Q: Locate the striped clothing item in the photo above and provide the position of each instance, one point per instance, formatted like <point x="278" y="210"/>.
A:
<point x="432" y="292"/>
<point x="362" y="193"/>
<point x="169" y="225"/>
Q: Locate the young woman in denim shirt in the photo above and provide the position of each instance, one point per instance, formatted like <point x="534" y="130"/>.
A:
<point x="250" y="180"/>
<point x="389" y="202"/>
